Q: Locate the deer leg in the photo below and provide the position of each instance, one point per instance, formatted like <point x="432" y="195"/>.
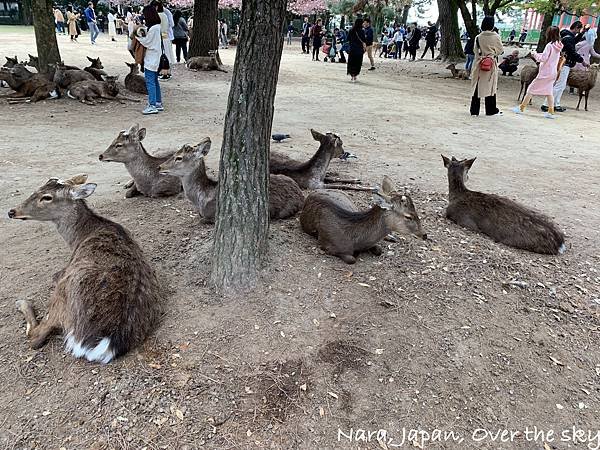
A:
<point x="345" y="187"/>
<point x="25" y="307"/>
<point x="132" y="192"/>
<point x="579" y="102"/>
<point x="124" y="97"/>
<point x="587" y="94"/>
<point x="129" y="184"/>
<point x="376" y="250"/>
<point x="341" y="180"/>
<point x="17" y="101"/>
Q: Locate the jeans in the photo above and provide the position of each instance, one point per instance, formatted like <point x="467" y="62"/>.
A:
<point x="60" y="27"/>
<point x="469" y="63"/>
<point x="94" y="32"/>
<point x="560" y="85"/>
<point x="153" y="87"/>
<point x="316" y="48"/>
<point x="180" y="45"/>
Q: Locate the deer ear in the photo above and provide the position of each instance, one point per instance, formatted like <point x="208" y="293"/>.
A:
<point x="316" y="135"/>
<point x="446" y="161"/>
<point x="90" y="59"/>
<point x="82" y="191"/>
<point x="381" y="201"/>
<point x="141" y="134"/>
<point x="387" y="185"/>
<point x="203" y="147"/>
<point x="77" y="179"/>
<point x="469" y="162"/>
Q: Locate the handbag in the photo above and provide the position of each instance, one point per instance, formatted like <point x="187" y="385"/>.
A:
<point x="163" y="63"/>
<point x="486" y="63"/>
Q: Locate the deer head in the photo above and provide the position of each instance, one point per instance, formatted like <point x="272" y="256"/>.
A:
<point x="126" y="147"/>
<point x="186" y="159"/>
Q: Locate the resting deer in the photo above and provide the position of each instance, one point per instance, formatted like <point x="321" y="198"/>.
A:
<point x="87" y="91"/>
<point x="27" y="89"/>
<point x="206" y="63"/>
<point x="95" y="68"/>
<point x="501" y="219"/>
<point x="64" y="77"/>
<point x="127" y="148"/>
<point x="312" y="174"/>
<point x="344" y="231"/>
<point x="106" y="300"/>
<point x="34" y="62"/>
<point x="134" y="82"/>
<point x="285" y="197"/>
<point x="461" y="74"/>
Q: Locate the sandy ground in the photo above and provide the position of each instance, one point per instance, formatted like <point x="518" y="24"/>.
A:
<point x="428" y="336"/>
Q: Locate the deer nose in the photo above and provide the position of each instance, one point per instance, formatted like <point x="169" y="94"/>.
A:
<point x="12" y="213"/>
<point x="100" y="157"/>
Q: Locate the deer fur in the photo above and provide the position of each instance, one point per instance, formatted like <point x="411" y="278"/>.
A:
<point x="206" y="63"/>
<point x="95" y="68"/>
<point x="285" y="196"/>
<point x="64" y="78"/>
<point x="343" y="230"/>
<point x="461" y="74"/>
<point x="127" y="148"/>
<point x="87" y="91"/>
<point x="501" y="219"/>
<point x="34" y="62"/>
<point x="584" y="81"/>
<point x="106" y="301"/>
<point x="527" y="75"/>
<point x="27" y="89"/>
<point x="134" y="82"/>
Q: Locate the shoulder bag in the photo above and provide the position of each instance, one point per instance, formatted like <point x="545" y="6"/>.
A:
<point x="486" y="63"/>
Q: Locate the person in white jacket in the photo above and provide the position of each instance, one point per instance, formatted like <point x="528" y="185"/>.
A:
<point x="152" y="41"/>
<point x="166" y="28"/>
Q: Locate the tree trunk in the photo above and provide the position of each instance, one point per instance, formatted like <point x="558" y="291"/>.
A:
<point x="204" y="34"/>
<point x="469" y="17"/>
<point x="45" y="33"/>
<point x="25" y="12"/>
<point x="451" y="47"/>
<point x="242" y="221"/>
<point x="597" y="43"/>
<point x="547" y="23"/>
<point x="405" y="14"/>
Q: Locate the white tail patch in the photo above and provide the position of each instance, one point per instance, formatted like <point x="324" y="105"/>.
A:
<point x="562" y="249"/>
<point x="100" y="353"/>
<point x="54" y="94"/>
<point x="70" y="96"/>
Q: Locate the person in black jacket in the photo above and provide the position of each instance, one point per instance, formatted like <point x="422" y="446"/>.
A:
<point x="430" y="40"/>
<point x="413" y="43"/>
<point x="369" y="41"/>
<point x="569" y="40"/>
<point x="470" y="52"/>
<point x="306" y="36"/>
<point x="357" y="48"/>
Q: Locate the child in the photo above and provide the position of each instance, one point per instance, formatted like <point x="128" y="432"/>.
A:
<point x="385" y="40"/>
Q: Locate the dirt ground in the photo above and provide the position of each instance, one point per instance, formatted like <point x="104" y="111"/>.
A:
<point x="429" y="336"/>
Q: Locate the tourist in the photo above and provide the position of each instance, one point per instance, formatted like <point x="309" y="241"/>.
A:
<point x="357" y="48"/>
<point x="484" y="83"/>
<point x="90" y="18"/>
<point x="513" y="35"/>
<point x="406" y="46"/>
<point x="59" y="19"/>
<point x="369" y="41"/>
<point x="586" y="48"/>
<point x="290" y="33"/>
<point x="180" y="36"/>
<point x="317" y="35"/>
<point x="510" y="63"/>
<point x="342" y="38"/>
<point x="470" y="53"/>
<point x="385" y="41"/>
<point x="112" y="27"/>
<point x="101" y="22"/>
<point x="72" y="19"/>
<point x="166" y="29"/>
<point x="413" y="44"/>
<point x="430" y="40"/>
<point x="223" y="31"/>
<point x="305" y="36"/>
<point x="523" y="36"/>
<point x="548" y="69"/>
<point x="152" y="40"/>
<point x="569" y="41"/>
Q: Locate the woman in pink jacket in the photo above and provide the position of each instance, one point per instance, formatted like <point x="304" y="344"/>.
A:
<point x="548" y="70"/>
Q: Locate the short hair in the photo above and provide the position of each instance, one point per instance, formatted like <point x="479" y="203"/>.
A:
<point x="367" y="19"/>
<point x="577" y="24"/>
<point x="487" y="24"/>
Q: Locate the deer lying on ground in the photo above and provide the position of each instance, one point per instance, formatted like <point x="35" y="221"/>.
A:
<point x="584" y="81"/>
<point x="127" y="148"/>
<point x="312" y="174"/>
<point x="134" y="82"/>
<point x="27" y="89"/>
<point x="107" y="300"/>
<point x="34" y="62"/>
<point x="87" y="91"/>
<point x="344" y="231"/>
<point x="501" y="219"/>
<point x="285" y="196"/>
<point x="95" y="68"/>
<point x="206" y="63"/>
<point x="64" y="78"/>
<point x="10" y="62"/>
<point x="461" y="74"/>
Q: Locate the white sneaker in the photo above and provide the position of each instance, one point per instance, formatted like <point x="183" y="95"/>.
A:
<point x="150" y="110"/>
<point x="159" y="107"/>
<point x="547" y="115"/>
<point x="517" y="110"/>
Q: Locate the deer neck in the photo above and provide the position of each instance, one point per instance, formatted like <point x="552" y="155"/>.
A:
<point x="320" y="161"/>
<point x="374" y="226"/>
<point x="78" y="224"/>
<point x="144" y="166"/>
<point x="196" y="184"/>
<point x="456" y="186"/>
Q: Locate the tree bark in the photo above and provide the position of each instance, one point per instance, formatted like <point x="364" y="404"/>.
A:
<point x="25" y="11"/>
<point x="45" y="33"/>
<point x="469" y="17"/>
<point x="405" y="14"/>
<point x="242" y="221"/>
<point x="204" y="34"/>
<point x="451" y="47"/>
<point x="546" y="23"/>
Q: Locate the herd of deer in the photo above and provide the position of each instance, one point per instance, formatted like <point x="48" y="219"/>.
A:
<point x="87" y="85"/>
<point x="108" y="298"/>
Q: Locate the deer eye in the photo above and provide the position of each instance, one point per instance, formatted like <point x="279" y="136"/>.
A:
<point x="409" y="216"/>
<point x="119" y="145"/>
<point x="178" y="158"/>
<point x="46" y="198"/>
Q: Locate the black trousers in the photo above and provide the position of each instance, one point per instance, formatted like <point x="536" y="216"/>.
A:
<point x="180" y="45"/>
<point x="413" y="53"/>
<point x="305" y="46"/>
<point x="490" y="105"/>
<point x="429" y="46"/>
<point x="316" y="48"/>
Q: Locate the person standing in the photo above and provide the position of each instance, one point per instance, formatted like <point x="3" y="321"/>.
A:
<point x="290" y="33"/>
<point x="385" y="41"/>
<point x="317" y="35"/>
<point x="398" y="39"/>
<point x="60" y="21"/>
<point x="548" y="69"/>
<point x="152" y="41"/>
<point x="369" y="41"/>
<point x="484" y="79"/>
<point x="569" y="41"/>
<point x="305" y="36"/>
<point x="112" y="27"/>
<point x="90" y="18"/>
<point x="413" y="43"/>
<point x="513" y="35"/>
<point x="342" y="39"/>
<point x="180" y="36"/>
<point x="357" y="48"/>
<point x="430" y="40"/>
<point x="223" y="35"/>
<point x="470" y="53"/>
<point x="72" y="19"/>
<point x="167" y="36"/>
<point x="523" y="36"/>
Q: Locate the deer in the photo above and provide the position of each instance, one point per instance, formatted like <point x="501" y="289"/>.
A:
<point x="107" y="300"/>
<point x="527" y="75"/>
<point x="500" y="218"/>
<point x="27" y="89"/>
<point x="205" y="63"/>
<point x="64" y="78"/>
<point x="344" y="231"/>
<point x="134" y="82"/>
<point x="95" y="68"/>
<point x="460" y="74"/>
<point x="127" y="148"/>
<point x="34" y="62"/>
<point x="312" y="174"/>
<point x="87" y="91"/>
<point x="285" y="196"/>
<point x="584" y="81"/>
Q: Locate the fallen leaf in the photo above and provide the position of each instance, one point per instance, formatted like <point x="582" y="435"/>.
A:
<point x="364" y="284"/>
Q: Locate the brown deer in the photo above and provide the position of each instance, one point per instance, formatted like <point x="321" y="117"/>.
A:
<point x="87" y="91"/>
<point x="107" y="300"/>
<point x="127" y="148"/>
<point x="34" y="62"/>
<point x="134" y="82"/>
<point x="527" y="75"/>
<point x="95" y="68"/>
<point x="312" y="174"/>
<point x="206" y="63"/>
<point x="27" y="89"/>
<point x="64" y="77"/>
<point x="285" y="196"/>
<point x="584" y="81"/>
<point x="344" y="231"/>
<point x="461" y="74"/>
<point x="501" y="219"/>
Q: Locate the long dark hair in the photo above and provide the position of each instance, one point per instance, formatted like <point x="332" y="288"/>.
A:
<point x="358" y="23"/>
<point x="487" y="24"/>
<point x="552" y="34"/>
<point x="176" y="17"/>
<point x="151" y="17"/>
